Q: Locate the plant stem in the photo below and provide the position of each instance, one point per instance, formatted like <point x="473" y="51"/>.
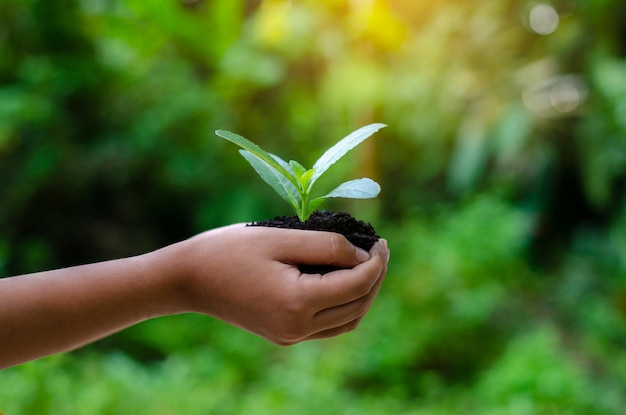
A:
<point x="304" y="214"/>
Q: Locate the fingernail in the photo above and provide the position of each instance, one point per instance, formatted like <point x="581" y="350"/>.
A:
<point x="362" y="255"/>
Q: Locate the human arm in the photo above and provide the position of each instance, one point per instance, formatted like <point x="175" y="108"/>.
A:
<point x="246" y="276"/>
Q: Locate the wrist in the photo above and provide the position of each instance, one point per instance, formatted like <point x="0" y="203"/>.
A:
<point x="182" y="272"/>
<point x="170" y="280"/>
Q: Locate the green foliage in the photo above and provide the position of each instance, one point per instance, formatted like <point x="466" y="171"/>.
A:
<point x="294" y="182"/>
<point x="504" y="200"/>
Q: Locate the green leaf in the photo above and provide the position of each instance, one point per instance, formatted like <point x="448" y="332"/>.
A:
<point x="259" y="153"/>
<point x="294" y="168"/>
<point x="305" y="180"/>
<point x="341" y="148"/>
<point x="355" y="189"/>
<point x="274" y="178"/>
<point x="286" y="166"/>
<point x="298" y="168"/>
<point x="302" y="175"/>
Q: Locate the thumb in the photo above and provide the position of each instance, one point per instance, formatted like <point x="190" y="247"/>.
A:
<point x="321" y="248"/>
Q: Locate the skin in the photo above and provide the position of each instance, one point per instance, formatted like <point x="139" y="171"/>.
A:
<point x="245" y="276"/>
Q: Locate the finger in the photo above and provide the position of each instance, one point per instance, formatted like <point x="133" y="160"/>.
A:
<point x="336" y="331"/>
<point x="346" y="324"/>
<point x="341" y="287"/>
<point x="300" y="247"/>
<point x="345" y="313"/>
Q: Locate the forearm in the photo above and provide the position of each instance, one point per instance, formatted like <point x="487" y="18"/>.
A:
<point x="60" y="310"/>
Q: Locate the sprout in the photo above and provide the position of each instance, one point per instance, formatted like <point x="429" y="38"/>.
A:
<point x="293" y="182"/>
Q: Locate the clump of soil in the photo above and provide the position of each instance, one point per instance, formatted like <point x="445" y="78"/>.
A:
<point x="359" y="233"/>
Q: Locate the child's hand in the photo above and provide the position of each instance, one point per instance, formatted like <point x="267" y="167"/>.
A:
<point x="249" y="277"/>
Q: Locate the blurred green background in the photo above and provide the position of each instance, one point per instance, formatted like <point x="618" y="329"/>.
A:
<point x="503" y="172"/>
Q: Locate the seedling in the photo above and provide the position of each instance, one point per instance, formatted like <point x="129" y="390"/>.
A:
<point x="293" y="182"/>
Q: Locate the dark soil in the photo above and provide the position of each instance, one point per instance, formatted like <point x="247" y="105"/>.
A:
<point x="361" y="234"/>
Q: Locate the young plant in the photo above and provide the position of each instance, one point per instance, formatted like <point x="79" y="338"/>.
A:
<point x="293" y="182"/>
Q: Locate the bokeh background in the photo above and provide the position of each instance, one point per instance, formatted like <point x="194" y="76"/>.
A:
<point x="503" y="172"/>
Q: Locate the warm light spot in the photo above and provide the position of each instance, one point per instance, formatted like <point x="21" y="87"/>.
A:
<point x="374" y="20"/>
<point x="543" y="19"/>
<point x="273" y="21"/>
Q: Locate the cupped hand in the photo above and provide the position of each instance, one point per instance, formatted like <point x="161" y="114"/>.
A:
<point x="249" y="277"/>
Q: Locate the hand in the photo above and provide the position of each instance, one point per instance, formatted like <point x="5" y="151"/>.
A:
<point x="249" y="277"/>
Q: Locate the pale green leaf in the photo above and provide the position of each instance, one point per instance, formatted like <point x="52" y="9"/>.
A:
<point x="355" y="189"/>
<point x="274" y="178"/>
<point x="341" y="148"/>
<point x="259" y="153"/>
